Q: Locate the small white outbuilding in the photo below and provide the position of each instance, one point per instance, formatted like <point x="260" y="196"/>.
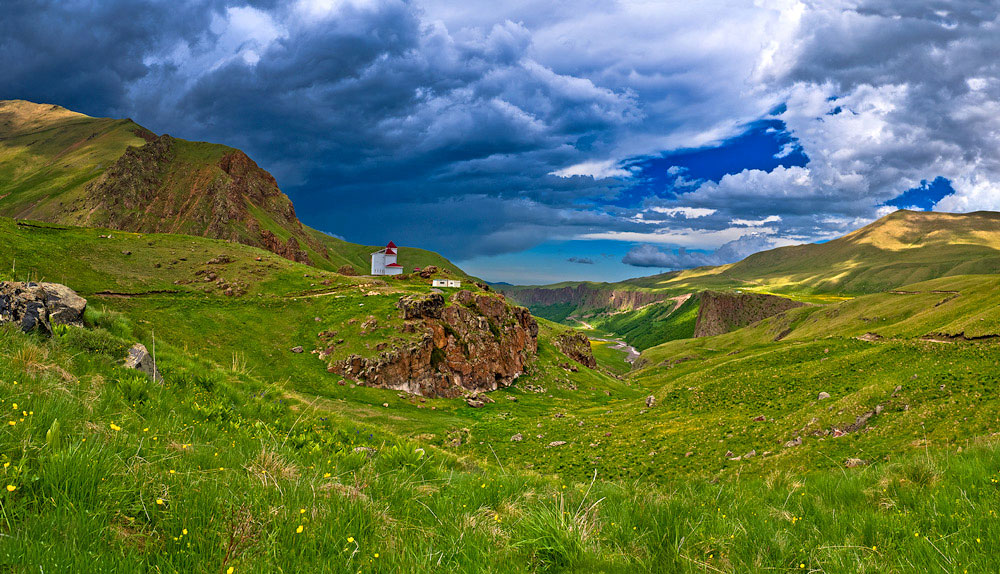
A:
<point x="446" y="283"/>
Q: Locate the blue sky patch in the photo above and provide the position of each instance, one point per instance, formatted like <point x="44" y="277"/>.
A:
<point x="925" y="196"/>
<point x="765" y="145"/>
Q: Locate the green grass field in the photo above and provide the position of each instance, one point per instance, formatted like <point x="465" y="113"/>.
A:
<point x="255" y="458"/>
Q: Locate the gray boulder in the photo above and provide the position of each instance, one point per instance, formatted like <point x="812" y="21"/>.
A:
<point x="38" y="306"/>
<point x="138" y="358"/>
<point x="64" y="305"/>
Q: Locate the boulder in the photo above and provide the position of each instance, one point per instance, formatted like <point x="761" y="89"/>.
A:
<point x="576" y="346"/>
<point x="138" y="358"/>
<point x="823" y="395"/>
<point x="37" y="306"/>
<point x="64" y="305"/>
<point x="298" y="349"/>
<point x="421" y="306"/>
<point x="557" y="443"/>
<point x="426" y="272"/>
<point x="517" y="438"/>
<point x="650" y="401"/>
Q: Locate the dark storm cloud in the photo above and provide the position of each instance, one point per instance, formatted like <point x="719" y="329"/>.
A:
<point x="484" y="128"/>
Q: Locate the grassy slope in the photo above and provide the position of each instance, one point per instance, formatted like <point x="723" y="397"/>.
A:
<point x="175" y="474"/>
<point x="49" y="154"/>
<point x="653" y="324"/>
<point x="901" y="248"/>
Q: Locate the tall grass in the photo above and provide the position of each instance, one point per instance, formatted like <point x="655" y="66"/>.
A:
<point x="219" y="469"/>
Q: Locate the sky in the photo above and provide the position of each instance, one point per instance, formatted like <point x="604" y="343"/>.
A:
<point x="534" y="142"/>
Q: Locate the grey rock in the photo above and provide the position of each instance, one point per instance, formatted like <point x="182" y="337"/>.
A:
<point x="557" y="443"/>
<point x="650" y="401"/>
<point x="297" y="349"/>
<point x="64" y="305"/>
<point x="37" y="306"/>
<point x="138" y="358"/>
<point x="823" y="395"/>
<point x="517" y="438"/>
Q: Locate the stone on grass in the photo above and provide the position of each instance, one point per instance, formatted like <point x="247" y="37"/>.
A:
<point x="138" y="358"/>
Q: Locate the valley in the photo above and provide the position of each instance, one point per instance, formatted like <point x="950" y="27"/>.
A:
<point x="827" y="407"/>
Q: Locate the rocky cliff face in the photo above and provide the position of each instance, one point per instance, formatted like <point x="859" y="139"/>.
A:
<point x="38" y="306"/>
<point x="474" y="342"/>
<point x="576" y="346"/>
<point x="173" y="186"/>
<point x="724" y="312"/>
<point x="585" y="296"/>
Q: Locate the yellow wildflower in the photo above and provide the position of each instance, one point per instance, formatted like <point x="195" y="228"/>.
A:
<point x="184" y="531"/>
<point x="11" y="488"/>
<point x="299" y="529"/>
<point x="231" y="570"/>
<point x="159" y="501"/>
<point x="115" y="427"/>
<point x="350" y="539"/>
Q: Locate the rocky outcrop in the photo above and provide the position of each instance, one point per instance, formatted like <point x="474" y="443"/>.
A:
<point x="474" y="342"/>
<point x="576" y="346"/>
<point x="721" y="313"/>
<point x="163" y="187"/>
<point x="38" y="306"/>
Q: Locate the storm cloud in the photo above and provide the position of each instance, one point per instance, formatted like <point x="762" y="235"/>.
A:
<point x="481" y="129"/>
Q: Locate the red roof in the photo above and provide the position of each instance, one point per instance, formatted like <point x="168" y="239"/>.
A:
<point x="391" y="245"/>
<point x="394" y="265"/>
<point x="389" y="251"/>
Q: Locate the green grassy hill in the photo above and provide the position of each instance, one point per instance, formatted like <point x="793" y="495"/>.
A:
<point x="901" y="248"/>
<point x="856" y="434"/>
<point x="63" y="167"/>
<point x="254" y="458"/>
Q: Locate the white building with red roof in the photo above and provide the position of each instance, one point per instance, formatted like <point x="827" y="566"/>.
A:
<point x="384" y="261"/>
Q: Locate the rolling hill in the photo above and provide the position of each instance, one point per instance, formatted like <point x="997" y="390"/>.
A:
<point x="901" y="248"/>
<point x="64" y="167"/>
